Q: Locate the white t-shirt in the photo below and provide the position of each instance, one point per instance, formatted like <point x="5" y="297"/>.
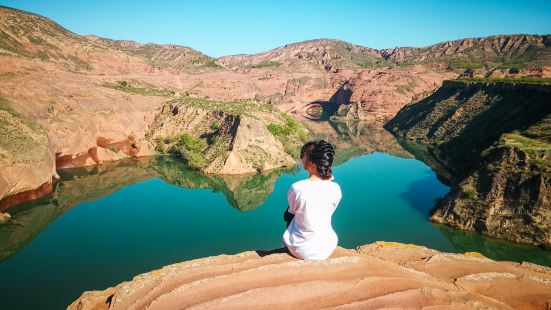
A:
<point x="310" y="234"/>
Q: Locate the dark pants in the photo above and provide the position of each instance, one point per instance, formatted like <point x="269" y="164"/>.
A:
<point x="288" y="216"/>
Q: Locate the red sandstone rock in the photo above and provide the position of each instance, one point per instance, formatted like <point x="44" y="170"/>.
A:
<point x="378" y="275"/>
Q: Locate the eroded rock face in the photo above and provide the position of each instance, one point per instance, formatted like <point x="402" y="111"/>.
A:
<point x="377" y="275"/>
<point x="504" y="197"/>
<point x="378" y="94"/>
<point x="491" y="141"/>
<point x="26" y="158"/>
<point x="236" y="142"/>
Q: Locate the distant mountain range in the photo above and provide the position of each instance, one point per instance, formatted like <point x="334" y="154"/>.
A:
<point x="82" y="100"/>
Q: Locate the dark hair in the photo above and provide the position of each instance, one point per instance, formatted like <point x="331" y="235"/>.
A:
<point x="306" y="148"/>
<point x="320" y="153"/>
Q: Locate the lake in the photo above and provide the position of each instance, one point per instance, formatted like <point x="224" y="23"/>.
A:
<point x="103" y="225"/>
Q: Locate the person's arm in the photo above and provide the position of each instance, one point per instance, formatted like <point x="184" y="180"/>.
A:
<point x="289" y="213"/>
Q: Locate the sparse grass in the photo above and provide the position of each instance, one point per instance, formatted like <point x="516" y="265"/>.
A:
<point x="541" y="130"/>
<point x="524" y="143"/>
<point x="267" y="64"/>
<point x="206" y="61"/>
<point x="235" y="107"/>
<point x="113" y="148"/>
<point x="256" y="156"/>
<point x="21" y="140"/>
<point x="317" y="111"/>
<point x="291" y="135"/>
<point x="159" y="145"/>
<point x="366" y="64"/>
<point x="128" y="87"/>
<point x="214" y="125"/>
<point x="468" y="191"/>
<point x="512" y="65"/>
<point x="522" y="80"/>
<point x="465" y="64"/>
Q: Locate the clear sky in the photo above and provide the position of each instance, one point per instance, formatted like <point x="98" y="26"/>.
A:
<point x="219" y="28"/>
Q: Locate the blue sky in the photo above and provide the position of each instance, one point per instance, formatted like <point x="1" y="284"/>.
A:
<point x="232" y="27"/>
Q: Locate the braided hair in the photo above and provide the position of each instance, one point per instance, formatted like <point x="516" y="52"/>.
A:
<point x="321" y="153"/>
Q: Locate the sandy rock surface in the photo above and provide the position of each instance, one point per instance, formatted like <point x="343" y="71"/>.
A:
<point x="378" y="275"/>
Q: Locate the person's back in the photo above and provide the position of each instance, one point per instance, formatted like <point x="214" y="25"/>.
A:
<point x="309" y="234"/>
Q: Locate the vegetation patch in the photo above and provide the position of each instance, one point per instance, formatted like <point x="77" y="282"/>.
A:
<point x="146" y="91"/>
<point x="366" y="64"/>
<point x="291" y="134"/>
<point x="512" y="65"/>
<point x="206" y="61"/>
<point x="465" y="64"/>
<point x="512" y="80"/>
<point x="468" y="191"/>
<point x="267" y="64"/>
<point x="234" y="107"/>
<point x="214" y="125"/>
<point x="20" y="139"/>
<point x="524" y="143"/>
<point x="191" y="149"/>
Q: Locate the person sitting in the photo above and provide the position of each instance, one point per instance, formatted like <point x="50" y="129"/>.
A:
<point x="311" y="202"/>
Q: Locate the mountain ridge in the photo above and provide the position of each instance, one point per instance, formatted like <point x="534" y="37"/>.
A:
<point x="97" y="98"/>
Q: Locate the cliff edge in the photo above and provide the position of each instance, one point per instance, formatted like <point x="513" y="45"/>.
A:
<point x="381" y="274"/>
<point x="492" y="141"/>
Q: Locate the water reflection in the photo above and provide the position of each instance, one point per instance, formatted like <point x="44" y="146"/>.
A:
<point x="469" y="241"/>
<point x="243" y="192"/>
<point x="356" y="138"/>
<point x="248" y="192"/>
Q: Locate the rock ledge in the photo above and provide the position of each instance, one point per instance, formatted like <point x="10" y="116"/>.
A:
<point x="381" y="274"/>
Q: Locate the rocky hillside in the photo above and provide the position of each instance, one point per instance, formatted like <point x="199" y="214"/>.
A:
<point x="325" y="54"/>
<point x="375" y="84"/>
<point x="519" y="50"/>
<point x="494" y="141"/>
<point x="227" y="137"/>
<point x="26" y="157"/>
<point x="168" y="56"/>
<point x="96" y="99"/>
<point x="372" y="276"/>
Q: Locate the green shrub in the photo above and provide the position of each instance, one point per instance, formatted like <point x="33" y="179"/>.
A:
<point x="194" y="159"/>
<point x="159" y="145"/>
<point x="290" y="134"/>
<point x="214" y="125"/>
<point x="468" y="191"/>
<point x="191" y="143"/>
<point x="190" y="149"/>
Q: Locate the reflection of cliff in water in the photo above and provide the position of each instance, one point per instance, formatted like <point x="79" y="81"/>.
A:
<point x="469" y="241"/>
<point x="356" y="138"/>
<point x="243" y="192"/>
<point x="428" y="155"/>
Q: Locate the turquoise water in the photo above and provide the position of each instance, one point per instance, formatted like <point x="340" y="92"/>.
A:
<point x="106" y="224"/>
